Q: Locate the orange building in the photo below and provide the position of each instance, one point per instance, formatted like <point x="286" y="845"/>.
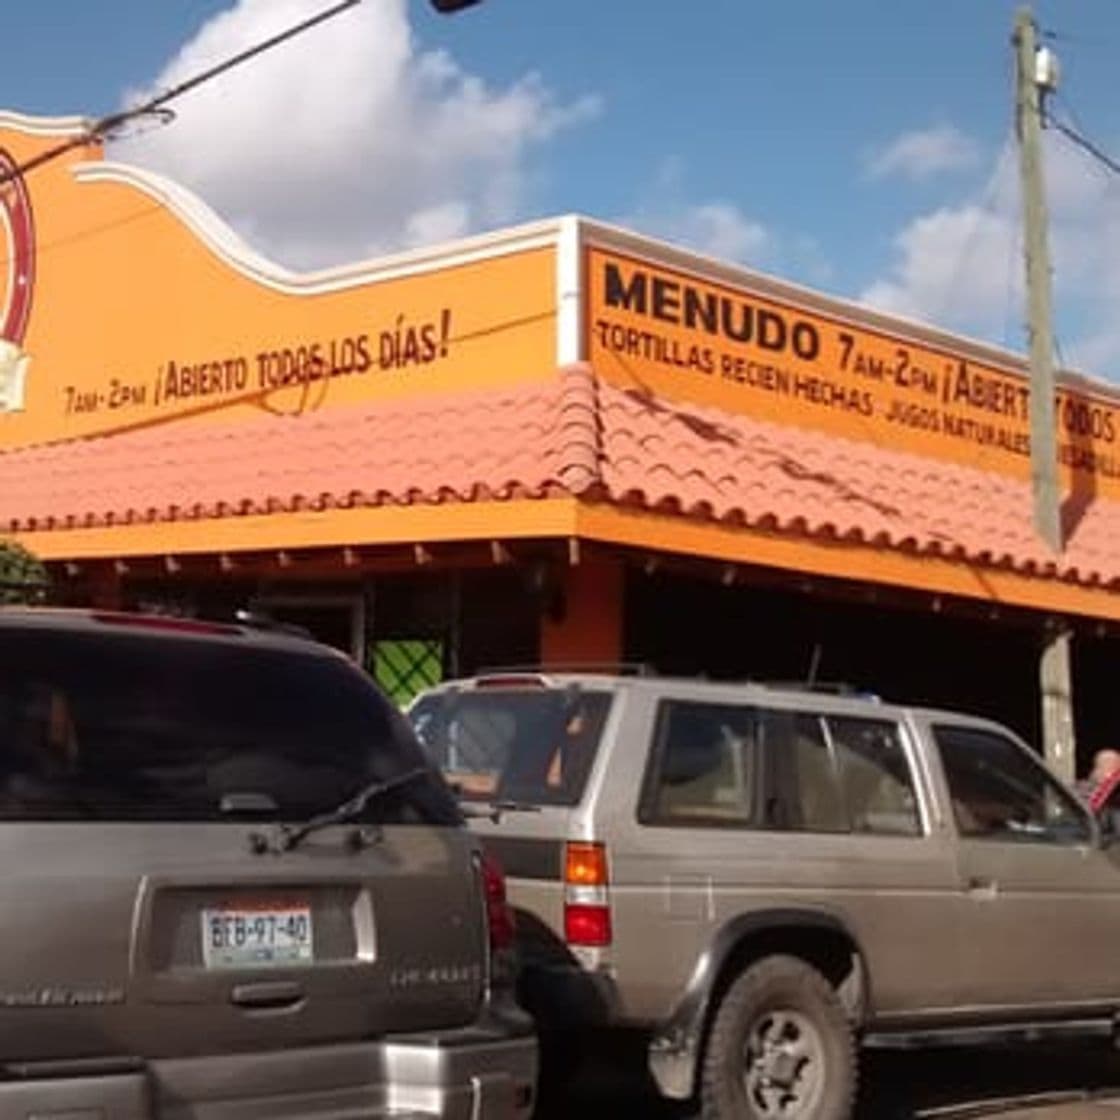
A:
<point x="559" y="442"/>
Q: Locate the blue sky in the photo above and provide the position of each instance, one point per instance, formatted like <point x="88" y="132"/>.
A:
<point x="859" y="147"/>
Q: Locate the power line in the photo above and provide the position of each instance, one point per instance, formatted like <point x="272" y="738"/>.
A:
<point x="1068" y="108"/>
<point x="1095" y="43"/>
<point x="1086" y="145"/>
<point x="155" y="105"/>
<point x="1075" y="131"/>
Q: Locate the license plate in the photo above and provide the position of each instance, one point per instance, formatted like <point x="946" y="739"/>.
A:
<point x="251" y="936"/>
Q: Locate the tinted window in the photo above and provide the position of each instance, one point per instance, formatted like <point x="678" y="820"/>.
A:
<point x="119" y="727"/>
<point x="534" y="745"/>
<point x="875" y="776"/>
<point x="705" y="769"/>
<point x="805" y="789"/>
<point x="734" y="765"/>
<point x="1000" y="792"/>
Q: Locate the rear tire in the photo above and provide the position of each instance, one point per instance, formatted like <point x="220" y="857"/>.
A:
<point x="780" y="1048"/>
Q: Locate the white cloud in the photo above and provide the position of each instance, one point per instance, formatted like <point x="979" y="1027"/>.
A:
<point x="925" y="152"/>
<point x="952" y="266"/>
<point x="1098" y="352"/>
<point x="961" y="266"/>
<point x="718" y="229"/>
<point x="438" y="223"/>
<point x="349" y="139"/>
<point x="721" y="228"/>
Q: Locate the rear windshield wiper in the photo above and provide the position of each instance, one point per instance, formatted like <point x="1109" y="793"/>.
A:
<point x="290" y="837"/>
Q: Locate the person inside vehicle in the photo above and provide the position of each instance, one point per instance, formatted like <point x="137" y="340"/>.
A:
<point x="563" y="756"/>
<point x="573" y="749"/>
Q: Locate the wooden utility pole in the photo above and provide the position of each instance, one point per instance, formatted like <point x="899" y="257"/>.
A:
<point x="1035" y="77"/>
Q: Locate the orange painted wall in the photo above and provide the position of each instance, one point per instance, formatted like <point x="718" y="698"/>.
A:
<point x="136" y="319"/>
<point x="654" y="326"/>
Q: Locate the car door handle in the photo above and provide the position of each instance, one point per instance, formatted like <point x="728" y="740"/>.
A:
<point x="979" y="887"/>
<point x="270" y="995"/>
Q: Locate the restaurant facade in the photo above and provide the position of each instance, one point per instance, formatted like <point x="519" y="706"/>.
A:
<point x="560" y="443"/>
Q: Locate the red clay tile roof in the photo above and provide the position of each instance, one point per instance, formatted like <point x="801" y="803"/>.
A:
<point x="704" y="463"/>
<point x="571" y="434"/>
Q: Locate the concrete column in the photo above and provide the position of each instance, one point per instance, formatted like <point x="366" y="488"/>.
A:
<point x="584" y="625"/>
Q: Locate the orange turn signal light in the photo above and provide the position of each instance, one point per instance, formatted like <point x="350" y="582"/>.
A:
<point x="585" y="865"/>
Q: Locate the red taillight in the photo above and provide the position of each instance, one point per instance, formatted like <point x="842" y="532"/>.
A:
<point x="587" y="925"/>
<point x="587" y="910"/>
<point x="499" y="915"/>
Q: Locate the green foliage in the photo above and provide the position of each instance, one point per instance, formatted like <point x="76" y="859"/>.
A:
<point x="23" y="579"/>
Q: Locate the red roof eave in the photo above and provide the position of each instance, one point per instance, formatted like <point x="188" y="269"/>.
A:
<point x="568" y="435"/>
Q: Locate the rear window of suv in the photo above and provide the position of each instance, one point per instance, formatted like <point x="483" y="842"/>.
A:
<point x="122" y="727"/>
<point x="534" y="745"/>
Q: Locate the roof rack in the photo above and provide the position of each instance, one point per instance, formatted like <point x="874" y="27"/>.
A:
<point x="829" y="688"/>
<point x="613" y="668"/>
<point x="644" y="669"/>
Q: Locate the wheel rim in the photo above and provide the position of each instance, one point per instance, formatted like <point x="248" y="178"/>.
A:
<point x="783" y="1069"/>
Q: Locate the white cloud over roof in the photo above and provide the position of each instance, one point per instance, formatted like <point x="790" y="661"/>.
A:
<point x="961" y="266"/>
<point x="350" y="139"/>
<point x="923" y="153"/>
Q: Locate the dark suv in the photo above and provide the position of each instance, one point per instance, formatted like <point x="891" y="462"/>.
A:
<point x="231" y="886"/>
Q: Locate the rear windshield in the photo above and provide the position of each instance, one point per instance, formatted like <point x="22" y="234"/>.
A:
<point x="531" y="745"/>
<point x="118" y="727"/>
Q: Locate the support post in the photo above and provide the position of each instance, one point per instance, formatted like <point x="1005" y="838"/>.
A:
<point x="586" y="627"/>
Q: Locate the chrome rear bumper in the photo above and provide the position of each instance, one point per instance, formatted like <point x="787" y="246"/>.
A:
<point x="484" y="1072"/>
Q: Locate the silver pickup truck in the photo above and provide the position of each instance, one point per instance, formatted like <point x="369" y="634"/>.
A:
<point x="764" y="878"/>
